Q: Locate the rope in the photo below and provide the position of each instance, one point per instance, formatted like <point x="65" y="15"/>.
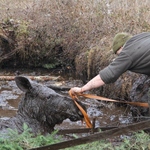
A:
<point x="74" y="96"/>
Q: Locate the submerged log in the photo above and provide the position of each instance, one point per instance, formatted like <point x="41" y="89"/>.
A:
<point x="37" y="78"/>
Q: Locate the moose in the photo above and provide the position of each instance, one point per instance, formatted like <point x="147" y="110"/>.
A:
<point x="41" y="108"/>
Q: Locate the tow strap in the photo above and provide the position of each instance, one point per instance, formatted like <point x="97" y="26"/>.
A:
<point x="74" y="96"/>
<point x="86" y="117"/>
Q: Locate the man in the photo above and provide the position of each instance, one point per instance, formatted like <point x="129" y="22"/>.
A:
<point x="133" y="54"/>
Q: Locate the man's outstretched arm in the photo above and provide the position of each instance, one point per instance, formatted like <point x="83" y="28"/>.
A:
<point x="93" y="83"/>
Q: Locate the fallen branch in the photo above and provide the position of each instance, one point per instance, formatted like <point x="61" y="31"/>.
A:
<point x="8" y="55"/>
<point x="37" y="78"/>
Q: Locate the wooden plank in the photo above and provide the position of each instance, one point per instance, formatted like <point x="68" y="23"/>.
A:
<point x="84" y="130"/>
<point x="98" y="136"/>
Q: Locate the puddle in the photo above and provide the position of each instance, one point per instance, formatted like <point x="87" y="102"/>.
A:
<point x="14" y="103"/>
<point x="106" y="114"/>
<point x="7" y="113"/>
<point x="8" y="103"/>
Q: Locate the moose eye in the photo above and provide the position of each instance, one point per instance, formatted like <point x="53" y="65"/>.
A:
<point x="139" y="88"/>
<point x="49" y="97"/>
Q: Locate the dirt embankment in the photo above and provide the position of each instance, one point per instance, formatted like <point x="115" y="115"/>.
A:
<point x="73" y="36"/>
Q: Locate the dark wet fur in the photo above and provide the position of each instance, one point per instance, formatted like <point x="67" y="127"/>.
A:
<point x="41" y="108"/>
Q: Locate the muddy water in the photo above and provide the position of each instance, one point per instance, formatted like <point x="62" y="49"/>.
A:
<point x="106" y="114"/>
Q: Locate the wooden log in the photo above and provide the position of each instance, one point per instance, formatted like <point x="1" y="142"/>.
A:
<point x="84" y="130"/>
<point x="37" y="78"/>
<point x="98" y="136"/>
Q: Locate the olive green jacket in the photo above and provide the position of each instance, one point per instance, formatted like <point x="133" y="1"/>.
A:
<point x="135" y="56"/>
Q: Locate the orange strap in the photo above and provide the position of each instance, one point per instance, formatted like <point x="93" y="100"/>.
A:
<point x="86" y="118"/>
<point x="74" y="96"/>
<point x="112" y="100"/>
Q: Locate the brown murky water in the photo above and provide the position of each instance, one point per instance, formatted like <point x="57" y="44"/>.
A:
<point x="106" y="114"/>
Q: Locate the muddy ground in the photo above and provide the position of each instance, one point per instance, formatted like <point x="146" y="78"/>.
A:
<point x="106" y="114"/>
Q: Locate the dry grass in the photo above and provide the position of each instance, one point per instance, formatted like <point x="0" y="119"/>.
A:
<point x="58" y="33"/>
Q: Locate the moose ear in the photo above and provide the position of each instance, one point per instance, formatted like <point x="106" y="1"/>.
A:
<point x="139" y="88"/>
<point x="23" y="83"/>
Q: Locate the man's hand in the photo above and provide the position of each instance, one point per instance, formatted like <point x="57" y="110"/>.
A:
<point x="73" y="92"/>
<point x="76" y="90"/>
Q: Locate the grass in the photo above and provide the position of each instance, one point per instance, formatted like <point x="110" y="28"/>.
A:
<point x="12" y="140"/>
<point x="26" y="140"/>
<point x="138" y="141"/>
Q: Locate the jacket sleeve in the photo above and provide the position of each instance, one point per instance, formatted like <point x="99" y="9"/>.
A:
<point x="115" y="69"/>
